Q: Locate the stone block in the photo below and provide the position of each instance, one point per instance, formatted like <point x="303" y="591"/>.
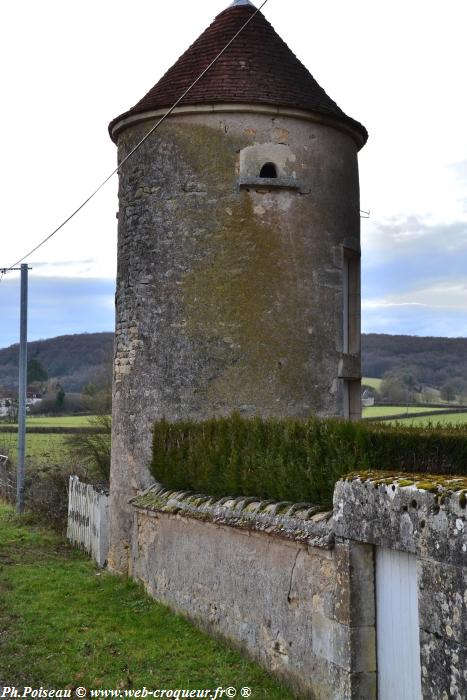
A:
<point x="444" y="668"/>
<point x="443" y="600"/>
<point x="350" y="648"/>
<point x="355" y="587"/>
<point x="403" y="517"/>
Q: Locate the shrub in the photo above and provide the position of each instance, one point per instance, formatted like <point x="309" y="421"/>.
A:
<point x="45" y="491"/>
<point x="294" y="460"/>
<point x="92" y="449"/>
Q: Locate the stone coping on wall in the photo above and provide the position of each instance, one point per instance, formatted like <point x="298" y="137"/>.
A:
<point x="301" y="522"/>
<point x="424" y="514"/>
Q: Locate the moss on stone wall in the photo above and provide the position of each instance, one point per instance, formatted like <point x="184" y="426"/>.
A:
<point x="239" y="298"/>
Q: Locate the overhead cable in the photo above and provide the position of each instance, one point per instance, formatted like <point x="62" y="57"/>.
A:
<point x="138" y="145"/>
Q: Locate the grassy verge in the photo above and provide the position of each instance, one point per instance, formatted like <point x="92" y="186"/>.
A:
<point x="64" y="623"/>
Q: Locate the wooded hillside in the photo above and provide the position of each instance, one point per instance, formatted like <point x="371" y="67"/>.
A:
<point x="433" y="361"/>
<point x="75" y="360"/>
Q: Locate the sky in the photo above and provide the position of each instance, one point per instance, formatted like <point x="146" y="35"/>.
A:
<point x="69" y="67"/>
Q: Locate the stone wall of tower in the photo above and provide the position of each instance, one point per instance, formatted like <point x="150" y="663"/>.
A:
<point x="229" y="290"/>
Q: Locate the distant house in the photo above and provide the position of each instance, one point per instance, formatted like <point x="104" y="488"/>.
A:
<point x="367" y="398"/>
<point x="5" y="403"/>
<point x="34" y="395"/>
<point x="8" y="397"/>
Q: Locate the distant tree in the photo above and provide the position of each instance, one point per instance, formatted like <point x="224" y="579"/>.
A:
<point x="438" y="361"/>
<point x="92" y="450"/>
<point x="448" y="392"/>
<point x="393" y="389"/>
<point x="90" y="390"/>
<point x="12" y="411"/>
<point x="400" y="385"/>
<point x="36" y="372"/>
<point x="60" y="398"/>
<point x="429" y="395"/>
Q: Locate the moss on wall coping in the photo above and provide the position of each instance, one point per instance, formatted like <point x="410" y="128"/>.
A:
<point x="434" y="483"/>
<point x="301" y="522"/>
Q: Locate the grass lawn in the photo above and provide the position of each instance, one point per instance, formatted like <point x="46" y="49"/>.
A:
<point x="65" y="623"/>
<point x="45" y="448"/>
<point x="376" y="411"/>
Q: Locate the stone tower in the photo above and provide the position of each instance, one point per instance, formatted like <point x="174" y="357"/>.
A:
<point x="238" y="249"/>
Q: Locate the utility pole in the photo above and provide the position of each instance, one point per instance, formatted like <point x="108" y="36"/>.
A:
<point x="23" y="384"/>
<point x="23" y="387"/>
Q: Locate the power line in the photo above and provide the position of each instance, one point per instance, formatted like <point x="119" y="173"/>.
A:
<point x="138" y="145"/>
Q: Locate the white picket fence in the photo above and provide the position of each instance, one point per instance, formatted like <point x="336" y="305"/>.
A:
<point x="88" y="519"/>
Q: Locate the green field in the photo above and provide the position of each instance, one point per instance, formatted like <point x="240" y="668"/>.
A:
<point x="48" y="448"/>
<point x="434" y="421"/>
<point x="373" y="382"/>
<point x="377" y="411"/>
<point x="44" y="448"/>
<point x="57" y="421"/>
<point x="66" y="624"/>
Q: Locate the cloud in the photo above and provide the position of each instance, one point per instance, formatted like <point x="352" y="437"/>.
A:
<point x="57" y="306"/>
<point x="82" y="267"/>
<point x="445" y="294"/>
<point x="459" y="169"/>
<point x="414" y="276"/>
<point x="415" y="320"/>
<point x="412" y="237"/>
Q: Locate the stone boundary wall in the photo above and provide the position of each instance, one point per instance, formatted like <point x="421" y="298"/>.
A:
<point x="267" y="577"/>
<point x="295" y="588"/>
<point x="424" y="516"/>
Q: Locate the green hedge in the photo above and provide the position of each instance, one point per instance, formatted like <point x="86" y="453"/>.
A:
<point x="295" y="460"/>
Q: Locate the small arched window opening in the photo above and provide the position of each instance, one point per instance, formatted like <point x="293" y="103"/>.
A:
<point x="268" y="170"/>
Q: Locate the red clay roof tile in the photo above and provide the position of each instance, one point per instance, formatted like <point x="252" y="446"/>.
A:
<point x="258" y="68"/>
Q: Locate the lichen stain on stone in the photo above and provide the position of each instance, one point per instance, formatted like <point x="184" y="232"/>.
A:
<point x="208" y="151"/>
<point x="238" y="300"/>
<point x="243" y="291"/>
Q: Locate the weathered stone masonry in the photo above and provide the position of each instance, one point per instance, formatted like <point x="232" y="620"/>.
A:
<point x="428" y="521"/>
<point x="229" y="295"/>
<point x="275" y="585"/>
<point x="295" y="588"/>
<point x="235" y="291"/>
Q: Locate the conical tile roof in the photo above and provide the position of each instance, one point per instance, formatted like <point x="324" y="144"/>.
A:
<point x="258" y="68"/>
